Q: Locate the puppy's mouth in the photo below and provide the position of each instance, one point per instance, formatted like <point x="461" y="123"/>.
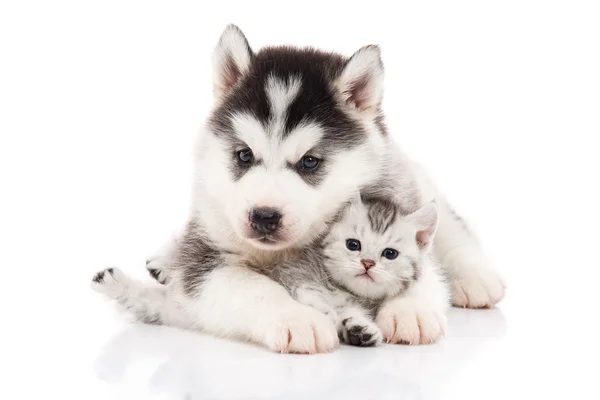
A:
<point x="279" y="238"/>
<point x="269" y="241"/>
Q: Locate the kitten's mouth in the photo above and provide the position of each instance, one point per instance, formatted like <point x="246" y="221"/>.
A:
<point x="365" y="276"/>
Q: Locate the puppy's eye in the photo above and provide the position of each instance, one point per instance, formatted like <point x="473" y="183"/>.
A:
<point x="245" y="156"/>
<point x="308" y="163"/>
<point x="390" y="254"/>
<point x="353" y="245"/>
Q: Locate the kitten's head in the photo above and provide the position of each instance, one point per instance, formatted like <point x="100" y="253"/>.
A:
<point x="374" y="251"/>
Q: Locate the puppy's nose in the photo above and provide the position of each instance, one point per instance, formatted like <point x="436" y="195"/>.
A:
<point x="265" y="220"/>
<point x="367" y="263"/>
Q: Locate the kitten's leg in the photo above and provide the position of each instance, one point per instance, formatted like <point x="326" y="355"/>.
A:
<point x="319" y="298"/>
<point x="352" y="321"/>
<point x="418" y="315"/>
<point x="357" y="328"/>
<point x="148" y="305"/>
<point x="474" y="284"/>
<point x="240" y="303"/>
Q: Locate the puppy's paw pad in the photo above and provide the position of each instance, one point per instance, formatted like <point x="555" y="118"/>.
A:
<point x="157" y="270"/>
<point x="110" y="281"/>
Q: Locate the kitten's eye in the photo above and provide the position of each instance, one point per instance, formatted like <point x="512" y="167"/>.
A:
<point x="308" y="163"/>
<point x="390" y="254"/>
<point x="245" y="156"/>
<point x="353" y="244"/>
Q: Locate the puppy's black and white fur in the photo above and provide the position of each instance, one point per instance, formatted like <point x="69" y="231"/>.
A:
<point x="294" y="133"/>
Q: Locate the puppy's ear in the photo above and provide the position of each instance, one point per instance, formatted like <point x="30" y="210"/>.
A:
<point x="231" y="60"/>
<point x="361" y="81"/>
<point x="425" y="220"/>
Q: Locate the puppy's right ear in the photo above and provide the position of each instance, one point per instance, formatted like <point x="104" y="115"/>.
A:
<point x="231" y="60"/>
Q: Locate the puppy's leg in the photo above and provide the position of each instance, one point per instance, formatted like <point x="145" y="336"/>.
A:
<point x="147" y="304"/>
<point x="474" y="284"/>
<point x="159" y="265"/>
<point x="158" y="270"/>
<point x="240" y="303"/>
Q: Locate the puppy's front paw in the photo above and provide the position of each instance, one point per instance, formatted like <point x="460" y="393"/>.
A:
<point x="477" y="288"/>
<point x="110" y="281"/>
<point x="361" y="332"/>
<point x="302" y="330"/>
<point x="405" y="321"/>
<point x="158" y="270"/>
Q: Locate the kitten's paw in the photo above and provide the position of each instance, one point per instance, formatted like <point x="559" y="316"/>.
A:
<point x="158" y="270"/>
<point x="361" y="332"/>
<point x="405" y="321"/>
<point x="110" y="281"/>
<point x="302" y="330"/>
<point x="473" y="284"/>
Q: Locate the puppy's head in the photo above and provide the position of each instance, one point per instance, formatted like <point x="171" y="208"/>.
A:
<point x="294" y="133"/>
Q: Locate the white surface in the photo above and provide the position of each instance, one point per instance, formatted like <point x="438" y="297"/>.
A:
<point x="99" y="105"/>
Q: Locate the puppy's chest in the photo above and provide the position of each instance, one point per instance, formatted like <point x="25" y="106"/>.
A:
<point x="262" y="260"/>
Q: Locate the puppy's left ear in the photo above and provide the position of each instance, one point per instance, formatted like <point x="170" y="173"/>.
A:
<point x="231" y="60"/>
<point x="361" y="81"/>
<point x="425" y="220"/>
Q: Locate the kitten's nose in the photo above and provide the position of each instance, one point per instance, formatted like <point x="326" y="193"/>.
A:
<point x="367" y="263"/>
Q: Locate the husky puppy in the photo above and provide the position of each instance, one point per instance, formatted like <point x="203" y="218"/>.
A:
<point x="293" y="134"/>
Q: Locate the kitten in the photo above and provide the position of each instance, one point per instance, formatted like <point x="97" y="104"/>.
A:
<point x="371" y="253"/>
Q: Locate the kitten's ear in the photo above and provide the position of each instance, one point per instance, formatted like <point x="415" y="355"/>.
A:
<point x="231" y="60"/>
<point x="361" y="81"/>
<point x="425" y="220"/>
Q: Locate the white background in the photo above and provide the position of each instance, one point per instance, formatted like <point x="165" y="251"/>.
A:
<point x="99" y="106"/>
